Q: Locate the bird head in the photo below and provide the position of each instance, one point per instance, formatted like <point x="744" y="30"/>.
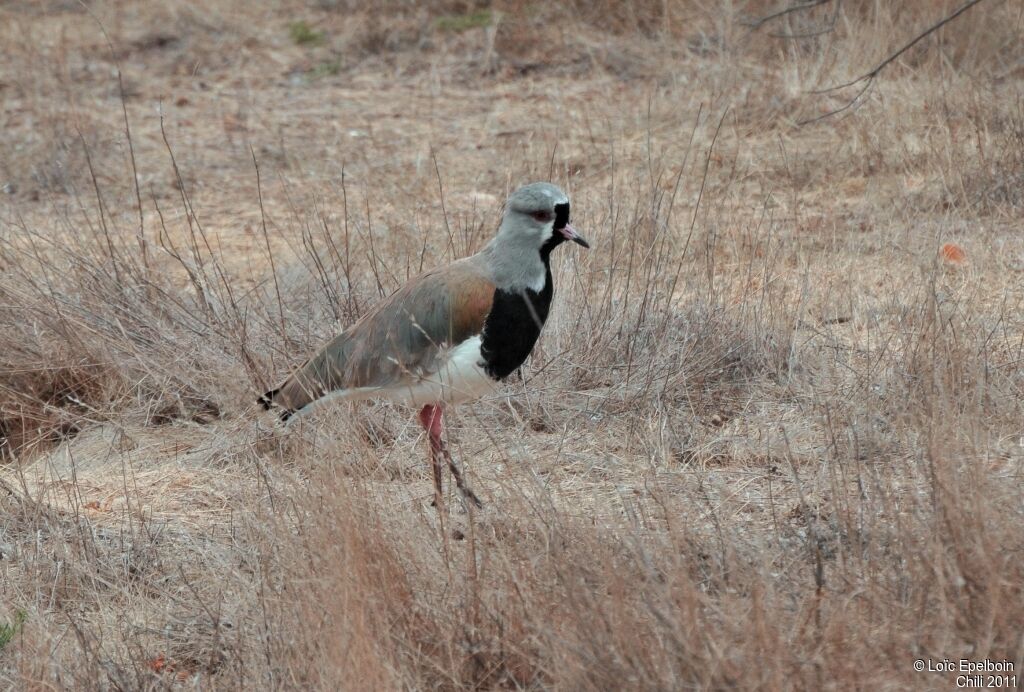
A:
<point x="538" y="213"/>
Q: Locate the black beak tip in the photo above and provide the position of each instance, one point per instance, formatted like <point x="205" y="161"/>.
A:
<point x="581" y="241"/>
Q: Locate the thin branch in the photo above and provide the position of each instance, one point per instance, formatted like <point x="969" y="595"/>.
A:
<point x="444" y="211"/>
<point x="756" y="24"/>
<point x="848" y="105"/>
<point x="885" y="63"/>
<point x="127" y="132"/>
<point x="270" y="252"/>
<point x="826" y="29"/>
<point x="869" y="77"/>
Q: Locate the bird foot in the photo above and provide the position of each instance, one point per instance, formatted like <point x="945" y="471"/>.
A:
<point x="467" y="497"/>
<point x="460" y="483"/>
<point x="468" y="494"/>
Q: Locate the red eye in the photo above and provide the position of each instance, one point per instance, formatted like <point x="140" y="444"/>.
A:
<point x="542" y="216"/>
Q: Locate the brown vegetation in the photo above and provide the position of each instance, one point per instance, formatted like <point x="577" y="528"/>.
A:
<point x="771" y="437"/>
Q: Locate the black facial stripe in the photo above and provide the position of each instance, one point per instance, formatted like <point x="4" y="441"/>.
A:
<point x="512" y="328"/>
<point x="561" y="215"/>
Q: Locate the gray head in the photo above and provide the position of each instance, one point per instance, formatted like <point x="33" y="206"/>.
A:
<point x="538" y="214"/>
<point x="536" y="221"/>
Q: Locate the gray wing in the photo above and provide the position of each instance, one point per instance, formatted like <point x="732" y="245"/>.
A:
<point x="396" y="342"/>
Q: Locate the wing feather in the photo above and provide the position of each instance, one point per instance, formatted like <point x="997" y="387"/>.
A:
<point x="397" y="342"/>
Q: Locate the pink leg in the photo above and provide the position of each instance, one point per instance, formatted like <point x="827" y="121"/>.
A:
<point x="432" y="420"/>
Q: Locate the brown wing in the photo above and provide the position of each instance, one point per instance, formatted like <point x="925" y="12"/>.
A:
<point x="398" y="340"/>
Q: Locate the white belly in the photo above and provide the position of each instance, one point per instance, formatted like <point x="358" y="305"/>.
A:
<point x="459" y="378"/>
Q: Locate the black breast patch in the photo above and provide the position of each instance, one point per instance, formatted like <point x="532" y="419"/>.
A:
<point x="512" y="328"/>
<point x="561" y="216"/>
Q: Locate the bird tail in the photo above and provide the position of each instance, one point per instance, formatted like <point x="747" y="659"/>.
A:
<point x="292" y="396"/>
<point x="267" y="401"/>
<point x="319" y="375"/>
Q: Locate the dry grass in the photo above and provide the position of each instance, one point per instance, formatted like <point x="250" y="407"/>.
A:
<point x="770" y="437"/>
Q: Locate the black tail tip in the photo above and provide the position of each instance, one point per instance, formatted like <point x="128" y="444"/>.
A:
<point x="267" y="402"/>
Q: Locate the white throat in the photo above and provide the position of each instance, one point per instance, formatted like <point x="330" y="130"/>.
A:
<point x="515" y="262"/>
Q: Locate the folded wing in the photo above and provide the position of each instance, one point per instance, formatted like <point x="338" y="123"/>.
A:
<point x="399" y="341"/>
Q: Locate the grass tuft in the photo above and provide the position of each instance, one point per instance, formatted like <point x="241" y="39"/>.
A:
<point x="457" y="23"/>
<point x="304" y="35"/>
<point x="9" y="630"/>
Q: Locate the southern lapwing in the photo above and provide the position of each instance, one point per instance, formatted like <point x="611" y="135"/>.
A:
<point x="450" y="334"/>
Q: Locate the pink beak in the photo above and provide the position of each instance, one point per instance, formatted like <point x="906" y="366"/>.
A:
<point x="570" y="234"/>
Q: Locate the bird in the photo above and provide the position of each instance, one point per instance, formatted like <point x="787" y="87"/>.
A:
<point x="449" y="335"/>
